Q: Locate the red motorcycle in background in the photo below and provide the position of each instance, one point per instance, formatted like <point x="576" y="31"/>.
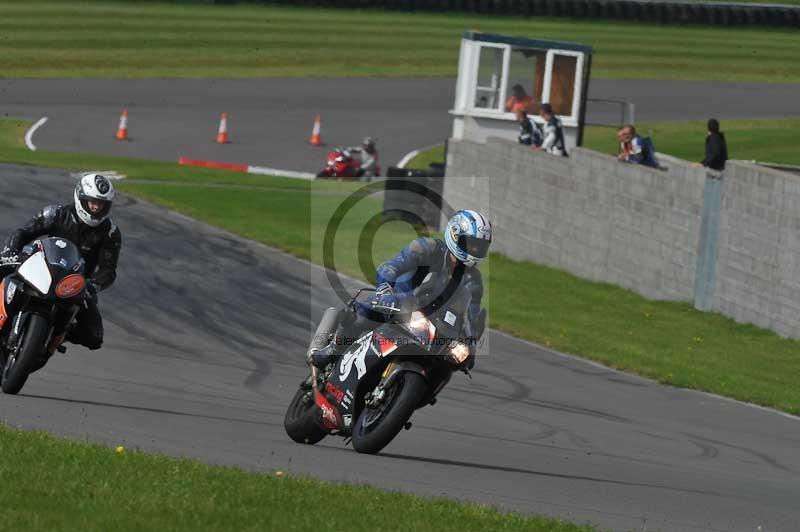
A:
<point x="350" y="164"/>
<point x="341" y="164"/>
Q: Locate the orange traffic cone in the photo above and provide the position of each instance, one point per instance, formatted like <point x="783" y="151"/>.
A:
<point x="316" y="136"/>
<point x="222" y="132"/>
<point x="122" y="129"/>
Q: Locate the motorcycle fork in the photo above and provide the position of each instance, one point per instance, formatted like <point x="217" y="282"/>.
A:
<point x="378" y="393"/>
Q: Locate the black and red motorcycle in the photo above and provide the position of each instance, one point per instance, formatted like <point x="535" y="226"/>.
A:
<point x="402" y="364"/>
<point x="39" y="300"/>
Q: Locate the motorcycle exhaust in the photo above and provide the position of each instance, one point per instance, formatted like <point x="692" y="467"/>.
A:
<point x="325" y="330"/>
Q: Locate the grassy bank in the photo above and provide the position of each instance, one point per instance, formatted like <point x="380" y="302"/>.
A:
<point x="773" y="141"/>
<point x="147" y="39"/>
<point x="63" y="485"/>
<point x="667" y="341"/>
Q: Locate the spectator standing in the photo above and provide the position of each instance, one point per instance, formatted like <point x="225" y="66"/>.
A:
<point x="529" y="132"/>
<point x="635" y="149"/>
<point x="519" y="100"/>
<point x="552" y="132"/>
<point x="716" y="147"/>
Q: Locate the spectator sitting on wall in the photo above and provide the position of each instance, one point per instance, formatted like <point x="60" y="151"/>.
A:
<point x="553" y="132"/>
<point x="635" y="149"/>
<point x="529" y="132"/>
<point x="519" y="100"/>
<point x="716" y="147"/>
<point x="621" y="139"/>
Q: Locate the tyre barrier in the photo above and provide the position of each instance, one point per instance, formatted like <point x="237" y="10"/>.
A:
<point x="404" y="186"/>
<point x="665" y="12"/>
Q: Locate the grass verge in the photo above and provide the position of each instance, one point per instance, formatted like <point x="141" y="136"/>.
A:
<point x="422" y="160"/>
<point x="93" y="488"/>
<point x="669" y="342"/>
<point x="46" y="39"/>
<point x="773" y="141"/>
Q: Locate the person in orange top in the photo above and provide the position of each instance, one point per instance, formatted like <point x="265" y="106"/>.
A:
<point x="519" y="100"/>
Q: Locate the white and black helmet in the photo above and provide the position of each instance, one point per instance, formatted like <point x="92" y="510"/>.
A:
<point x="468" y="235"/>
<point x="93" y="187"/>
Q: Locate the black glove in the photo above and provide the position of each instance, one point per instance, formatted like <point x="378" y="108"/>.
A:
<point x="91" y="292"/>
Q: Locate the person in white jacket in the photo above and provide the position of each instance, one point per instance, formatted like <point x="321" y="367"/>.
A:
<point x="367" y="153"/>
<point x="552" y="131"/>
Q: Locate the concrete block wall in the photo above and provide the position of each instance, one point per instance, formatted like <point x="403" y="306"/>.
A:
<point x="729" y="243"/>
<point x="758" y="267"/>
<point x="588" y="214"/>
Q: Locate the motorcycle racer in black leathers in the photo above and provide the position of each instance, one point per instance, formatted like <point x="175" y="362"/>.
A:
<point x="467" y="238"/>
<point x="86" y="224"/>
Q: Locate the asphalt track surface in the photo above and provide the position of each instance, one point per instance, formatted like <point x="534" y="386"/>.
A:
<point x="205" y="334"/>
<point x="270" y="120"/>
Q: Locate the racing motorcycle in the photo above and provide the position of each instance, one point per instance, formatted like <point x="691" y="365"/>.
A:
<point x="369" y="394"/>
<point x="345" y="164"/>
<point x="38" y="303"/>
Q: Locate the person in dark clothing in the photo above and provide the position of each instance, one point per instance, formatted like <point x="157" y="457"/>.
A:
<point x="87" y="225"/>
<point x="529" y="132"/>
<point x="553" y="132"/>
<point x="716" y="147"/>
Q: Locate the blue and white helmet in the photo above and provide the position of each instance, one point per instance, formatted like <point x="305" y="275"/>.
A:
<point x="468" y="235"/>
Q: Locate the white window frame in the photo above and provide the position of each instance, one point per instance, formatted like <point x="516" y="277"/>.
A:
<point x="577" y="83"/>
<point x="499" y="108"/>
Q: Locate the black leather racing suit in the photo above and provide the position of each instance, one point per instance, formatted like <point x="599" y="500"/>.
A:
<point x="99" y="246"/>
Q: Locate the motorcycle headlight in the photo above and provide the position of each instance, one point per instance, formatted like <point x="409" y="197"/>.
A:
<point x="421" y="327"/>
<point x="458" y="352"/>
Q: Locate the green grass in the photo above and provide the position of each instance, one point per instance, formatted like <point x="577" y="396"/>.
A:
<point x="135" y="39"/>
<point x="774" y="141"/>
<point x="423" y="159"/>
<point x="667" y="341"/>
<point x="12" y="133"/>
<point x="65" y="485"/>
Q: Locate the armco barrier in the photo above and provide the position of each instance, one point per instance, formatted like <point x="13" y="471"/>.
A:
<point x="717" y="13"/>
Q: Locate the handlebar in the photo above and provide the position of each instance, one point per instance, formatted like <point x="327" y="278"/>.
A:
<point x="374" y="303"/>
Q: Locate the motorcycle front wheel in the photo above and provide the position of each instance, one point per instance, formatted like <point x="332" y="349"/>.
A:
<point x="22" y="360"/>
<point x="300" y="421"/>
<point x="378" y="426"/>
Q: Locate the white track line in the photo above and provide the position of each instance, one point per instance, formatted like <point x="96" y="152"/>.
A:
<point x="31" y="131"/>
<point x="263" y="170"/>
<point x="407" y="157"/>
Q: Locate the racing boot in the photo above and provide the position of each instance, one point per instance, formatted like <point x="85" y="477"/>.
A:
<point x="321" y="358"/>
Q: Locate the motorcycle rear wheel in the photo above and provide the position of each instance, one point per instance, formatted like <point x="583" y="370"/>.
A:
<point x="376" y="427"/>
<point x="300" y="421"/>
<point x="21" y="363"/>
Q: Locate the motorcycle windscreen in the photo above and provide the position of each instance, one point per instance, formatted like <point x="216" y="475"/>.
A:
<point x="36" y="273"/>
<point x="449" y="318"/>
<point x="62" y="253"/>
